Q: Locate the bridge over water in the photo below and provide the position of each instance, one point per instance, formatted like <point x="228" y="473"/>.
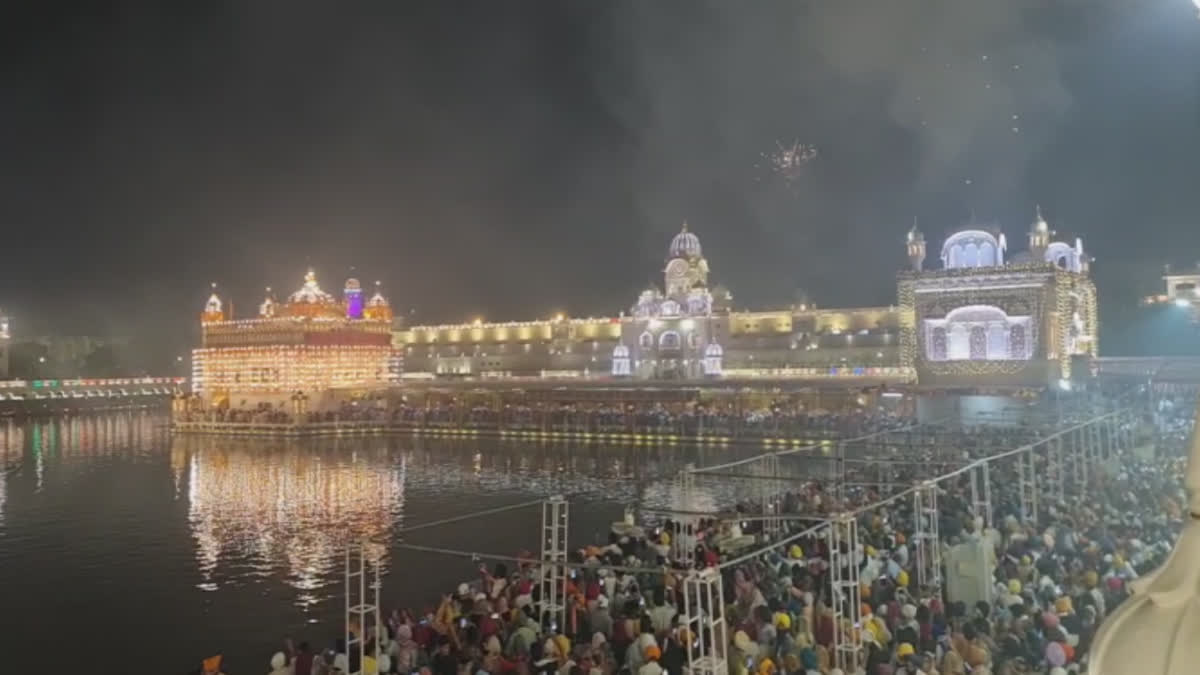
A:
<point x="44" y="396"/>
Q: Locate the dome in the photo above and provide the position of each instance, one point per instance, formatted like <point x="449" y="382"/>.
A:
<point x="713" y="350"/>
<point x="620" y="352"/>
<point x="973" y="248"/>
<point x="312" y="302"/>
<point x="310" y="292"/>
<point x="353" y="285"/>
<point x="1151" y="631"/>
<point x="684" y="245"/>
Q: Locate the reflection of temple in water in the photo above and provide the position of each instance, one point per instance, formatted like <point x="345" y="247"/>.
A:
<point x="278" y="505"/>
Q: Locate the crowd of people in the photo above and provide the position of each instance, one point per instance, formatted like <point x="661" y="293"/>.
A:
<point x="1054" y="577"/>
<point x="691" y="419"/>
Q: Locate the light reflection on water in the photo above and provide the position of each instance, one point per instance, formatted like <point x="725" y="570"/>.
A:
<point x="114" y="524"/>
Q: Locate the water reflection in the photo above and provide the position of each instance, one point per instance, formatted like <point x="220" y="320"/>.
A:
<point x="35" y="449"/>
<point x="287" y="507"/>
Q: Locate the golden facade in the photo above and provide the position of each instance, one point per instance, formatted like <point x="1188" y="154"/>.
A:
<point x="311" y="343"/>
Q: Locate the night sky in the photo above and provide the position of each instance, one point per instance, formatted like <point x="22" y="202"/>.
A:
<point x="514" y="159"/>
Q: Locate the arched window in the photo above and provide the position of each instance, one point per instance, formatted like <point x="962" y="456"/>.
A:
<point x="692" y="341"/>
<point x="978" y="343"/>
<point x="987" y="254"/>
<point x="1016" y="342"/>
<point x="669" y="308"/>
<point x="937" y="350"/>
<point x="669" y="340"/>
<point x="646" y="341"/>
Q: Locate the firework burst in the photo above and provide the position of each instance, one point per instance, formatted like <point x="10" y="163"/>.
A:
<point x="788" y="161"/>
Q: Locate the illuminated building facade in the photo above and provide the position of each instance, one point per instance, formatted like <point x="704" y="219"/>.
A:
<point x="683" y="330"/>
<point x="312" y="343"/>
<point x="982" y="319"/>
<point x="1182" y="290"/>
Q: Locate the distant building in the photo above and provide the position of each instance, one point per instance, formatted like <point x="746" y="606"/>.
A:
<point x="1181" y="289"/>
<point x="979" y="320"/>
<point x="685" y="330"/>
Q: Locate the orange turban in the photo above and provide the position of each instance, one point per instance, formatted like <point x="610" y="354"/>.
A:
<point x="212" y="664"/>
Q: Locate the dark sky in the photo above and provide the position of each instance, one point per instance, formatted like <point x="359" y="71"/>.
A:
<point x="516" y="158"/>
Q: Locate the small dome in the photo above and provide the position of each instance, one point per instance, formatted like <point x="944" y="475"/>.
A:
<point x="267" y="308"/>
<point x="352" y="284"/>
<point x="378" y="300"/>
<point x="713" y="350"/>
<point x="684" y="245"/>
<point x="620" y="352"/>
<point x="1039" y="223"/>
<point x="377" y="307"/>
<point x="213" y="308"/>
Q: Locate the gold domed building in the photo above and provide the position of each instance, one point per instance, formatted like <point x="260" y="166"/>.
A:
<point x="312" y="344"/>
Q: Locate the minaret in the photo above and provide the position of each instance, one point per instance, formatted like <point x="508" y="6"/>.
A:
<point x="1153" y="632"/>
<point x="916" y="247"/>
<point x="1039" y="238"/>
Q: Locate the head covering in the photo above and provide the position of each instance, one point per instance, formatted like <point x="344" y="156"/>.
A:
<point x="278" y="661"/>
<point x="652" y="653"/>
<point x="905" y="649"/>
<point x="212" y="664"/>
<point x="1063" y="605"/>
<point x="783" y="621"/>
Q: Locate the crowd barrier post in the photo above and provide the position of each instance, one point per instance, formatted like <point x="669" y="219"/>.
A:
<point x="552" y="600"/>
<point x="362" y="608"/>
<point x="704" y="616"/>
<point x="768" y="493"/>
<point x="926" y="537"/>
<point x="844" y="557"/>
<point x="685" y="488"/>
<point x="1081" y="457"/>
<point x="1028" y="484"/>
<point x="981" y="492"/>
<point x="1097" y="451"/>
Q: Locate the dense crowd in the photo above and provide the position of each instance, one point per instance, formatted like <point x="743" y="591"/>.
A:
<point x="642" y="418"/>
<point x="1053" y="580"/>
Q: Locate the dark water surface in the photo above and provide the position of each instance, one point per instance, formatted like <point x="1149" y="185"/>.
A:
<point x="123" y="549"/>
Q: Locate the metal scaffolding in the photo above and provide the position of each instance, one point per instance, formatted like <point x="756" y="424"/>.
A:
<point x="1078" y="453"/>
<point x="1056" y="469"/>
<point x="844" y="558"/>
<point x="981" y="493"/>
<point x="685" y="490"/>
<point x="769" y="496"/>
<point x="552" y="574"/>
<point x="1027" y="484"/>
<point x="926" y="537"/>
<point x="704" y="616"/>
<point x="362" y="601"/>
